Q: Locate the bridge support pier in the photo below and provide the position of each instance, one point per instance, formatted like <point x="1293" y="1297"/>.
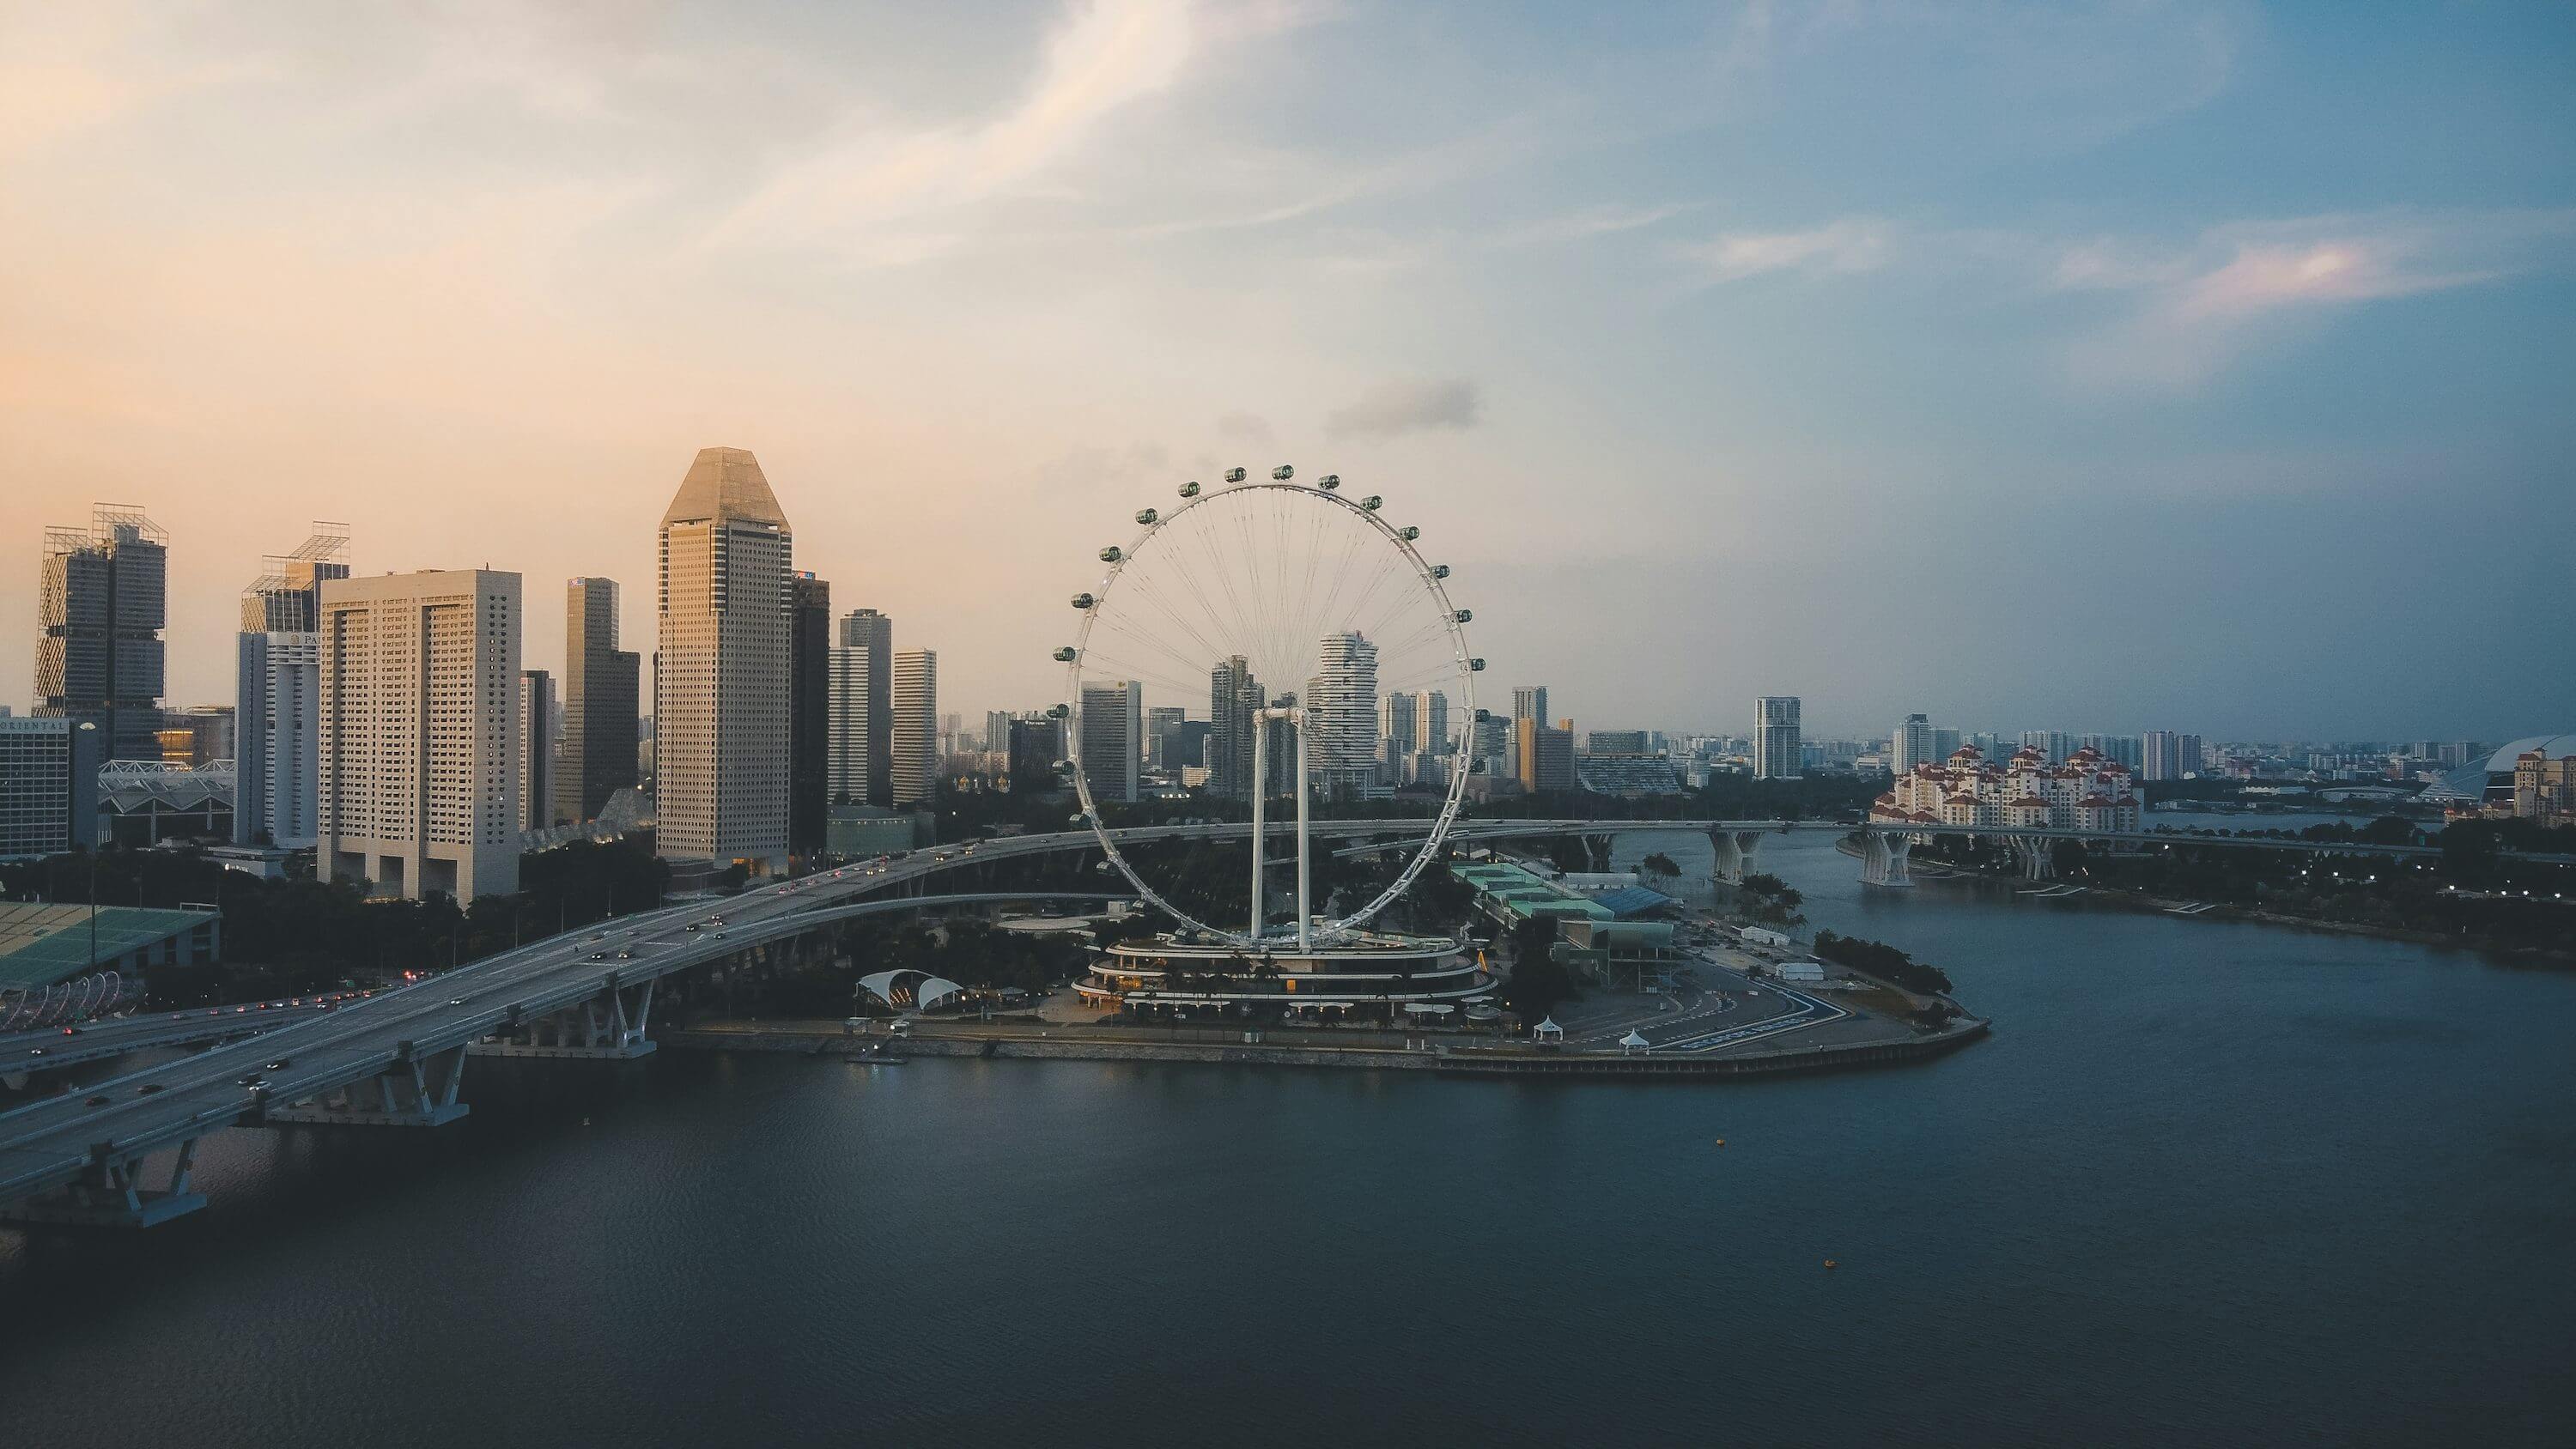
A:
<point x="607" y="1027"/>
<point x="1882" y="858"/>
<point x="1734" y="850"/>
<point x="2038" y="859"/>
<point x="416" y="1091"/>
<point x="111" y="1194"/>
<point x="1596" y="849"/>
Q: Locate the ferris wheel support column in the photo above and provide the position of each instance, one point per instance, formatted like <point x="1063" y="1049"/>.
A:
<point x="1305" y="792"/>
<point x="1260" y="797"/>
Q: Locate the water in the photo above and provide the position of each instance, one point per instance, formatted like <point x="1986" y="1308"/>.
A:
<point x="2208" y="1184"/>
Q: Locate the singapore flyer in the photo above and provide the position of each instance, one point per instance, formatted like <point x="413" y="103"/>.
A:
<point x="1323" y="650"/>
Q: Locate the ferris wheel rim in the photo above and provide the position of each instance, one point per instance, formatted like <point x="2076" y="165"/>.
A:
<point x="1151" y="525"/>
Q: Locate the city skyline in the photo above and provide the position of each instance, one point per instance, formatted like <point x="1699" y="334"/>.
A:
<point x="347" y="272"/>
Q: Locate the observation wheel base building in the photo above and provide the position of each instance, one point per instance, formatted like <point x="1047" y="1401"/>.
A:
<point x="1361" y="976"/>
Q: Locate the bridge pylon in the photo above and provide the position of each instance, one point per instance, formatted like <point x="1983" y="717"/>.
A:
<point x="2038" y="859"/>
<point x="416" y="1089"/>
<point x="1734" y="851"/>
<point x="111" y="1194"/>
<point x="606" y="1027"/>
<point x="1882" y="858"/>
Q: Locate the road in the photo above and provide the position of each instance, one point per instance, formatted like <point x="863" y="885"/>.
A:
<point x="49" y="1050"/>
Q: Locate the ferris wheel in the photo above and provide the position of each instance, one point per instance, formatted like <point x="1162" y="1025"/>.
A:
<point x="1319" y="647"/>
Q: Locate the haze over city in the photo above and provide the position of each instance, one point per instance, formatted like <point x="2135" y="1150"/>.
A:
<point x="2173" y="366"/>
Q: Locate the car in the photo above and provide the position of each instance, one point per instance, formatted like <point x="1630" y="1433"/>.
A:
<point x="281" y="1064"/>
<point x="97" y="1101"/>
<point x="71" y="1031"/>
<point x="693" y="925"/>
<point x="456" y="1001"/>
<point x="625" y="955"/>
<point x="148" y="1089"/>
<point x="35" y="1051"/>
<point x="599" y="955"/>
<point x="250" y="1079"/>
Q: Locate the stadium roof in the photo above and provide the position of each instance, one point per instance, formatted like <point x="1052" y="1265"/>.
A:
<point x="2470" y="782"/>
<point x="43" y="944"/>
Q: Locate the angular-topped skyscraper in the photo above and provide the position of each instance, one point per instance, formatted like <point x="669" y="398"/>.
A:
<point x="721" y="679"/>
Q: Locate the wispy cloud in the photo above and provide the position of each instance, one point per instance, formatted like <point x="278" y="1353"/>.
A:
<point x="2203" y="305"/>
<point x="1105" y="57"/>
<point x="1852" y="245"/>
<point x="1409" y="406"/>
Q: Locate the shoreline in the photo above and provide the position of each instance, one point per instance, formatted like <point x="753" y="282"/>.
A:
<point x="1474" y="1062"/>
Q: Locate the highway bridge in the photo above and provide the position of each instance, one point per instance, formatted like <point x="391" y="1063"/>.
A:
<point x="27" y="1052"/>
<point x="396" y="1057"/>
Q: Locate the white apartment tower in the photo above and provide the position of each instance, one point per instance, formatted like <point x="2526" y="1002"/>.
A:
<point x="858" y="748"/>
<point x="419" y="733"/>
<point x="720" y="682"/>
<point x="916" y="727"/>
<point x="1342" y="718"/>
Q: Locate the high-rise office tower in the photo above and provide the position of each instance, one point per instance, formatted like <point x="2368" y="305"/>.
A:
<point x="1545" y="755"/>
<point x="720" y="679"/>
<point x="1490" y="746"/>
<point x="277" y="696"/>
<point x="103" y="600"/>
<point x="600" y="699"/>
<point x="1911" y="744"/>
<point x="1398" y="728"/>
<point x="1431" y="721"/>
<point x="536" y="748"/>
<point x="1775" y="737"/>
<point x="276" y="761"/>
<point x="997" y="731"/>
<point x="916" y="727"/>
<point x="1529" y="701"/>
<point x="1113" y="729"/>
<point x="1341" y="718"/>
<point x="1162" y="736"/>
<point x="1034" y="746"/>
<point x="1233" y="696"/>
<point x="419" y="733"/>
<point x="809" y="715"/>
<point x="858" y="762"/>
<point x="49" y="785"/>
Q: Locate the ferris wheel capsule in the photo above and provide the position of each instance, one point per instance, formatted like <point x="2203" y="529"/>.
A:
<point x="1282" y="473"/>
<point x="1064" y="655"/>
<point x="1234" y="475"/>
<point x="1146" y="516"/>
<point x="1112" y="554"/>
<point x="1190" y="489"/>
<point x="1084" y="601"/>
<point x="1329" y="482"/>
<point x="1476" y="665"/>
<point x="1058" y="711"/>
<point x="1372" y="503"/>
<point x="1408" y="533"/>
<point x="1440" y="571"/>
<point x="1464" y="616"/>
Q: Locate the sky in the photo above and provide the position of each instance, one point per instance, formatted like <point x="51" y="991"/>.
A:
<point x="2149" y="366"/>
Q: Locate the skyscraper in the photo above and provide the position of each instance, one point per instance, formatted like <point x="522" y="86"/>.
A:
<point x="1398" y="726"/>
<point x="1162" y="736"/>
<point x="419" y="733"/>
<point x="277" y="691"/>
<point x="809" y="714"/>
<point x="2166" y="755"/>
<point x="48" y="785"/>
<point x="536" y="748"/>
<point x="916" y="727"/>
<point x="1775" y="737"/>
<point x="103" y="601"/>
<point x="720" y="680"/>
<point x="1034" y="746"/>
<point x="858" y="763"/>
<point x="1341" y="718"/>
<point x="997" y="731"/>
<point x="1911" y="744"/>
<point x="1546" y="755"/>
<point x="1233" y="696"/>
<point x="1431" y="721"/>
<point x="1112" y="733"/>
<point x="601" y="699"/>
<point x="1529" y="701"/>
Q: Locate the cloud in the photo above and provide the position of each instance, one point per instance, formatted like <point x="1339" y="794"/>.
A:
<point x="1598" y="221"/>
<point x="2203" y="306"/>
<point x="1391" y="409"/>
<point x="1245" y="428"/>
<point x="1105" y="57"/>
<point x="1855" y="245"/>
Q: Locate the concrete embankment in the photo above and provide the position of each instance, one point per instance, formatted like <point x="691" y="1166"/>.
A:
<point x="1470" y="1062"/>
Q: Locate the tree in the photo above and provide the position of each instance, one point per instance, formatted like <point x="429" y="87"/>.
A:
<point x="1660" y="864"/>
